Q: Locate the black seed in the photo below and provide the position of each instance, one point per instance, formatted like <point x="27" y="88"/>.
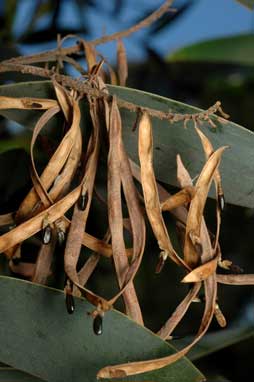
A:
<point x="36" y="104"/>
<point x="236" y="269"/>
<point x="199" y="248"/>
<point x="83" y="201"/>
<point x="138" y="116"/>
<point x="46" y="234"/>
<point x="60" y="237"/>
<point x="16" y="260"/>
<point x="97" y="325"/>
<point x="178" y="337"/>
<point x="160" y="265"/>
<point x="221" y="202"/>
<point x="69" y="302"/>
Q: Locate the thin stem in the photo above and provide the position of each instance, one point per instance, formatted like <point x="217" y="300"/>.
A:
<point x="53" y="55"/>
<point x="82" y="87"/>
<point x="142" y="24"/>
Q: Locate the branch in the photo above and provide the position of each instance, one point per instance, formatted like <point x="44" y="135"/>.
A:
<point x="53" y="55"/>
<point x="142" y="24"/>
<point x="83" y="88"/>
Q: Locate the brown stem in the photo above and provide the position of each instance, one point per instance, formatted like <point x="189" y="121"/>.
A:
<point x="142" y="24"/>
<point x="83" y="88"/>
<point x="53" y="55"/>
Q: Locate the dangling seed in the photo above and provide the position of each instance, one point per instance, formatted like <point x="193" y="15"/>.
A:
<point x="199" y="248"/>
<point x="46" y="234"/>
<point x="196" y="300"/>
<point x="220" y="316"/>
<point x="138" y="117"/>
<point x="160" y="265"/>
<point x="60" y="237"/>
<point x="16" y="260"/>
<point x="82" y="203"/>
<point x="221" y="202"/>
<point x="97" y="325"/>
<point x="235" y="269"/>
<point x="162" y="258"/>
<point x="69" y="302"/>
<point x="175" y="338"/>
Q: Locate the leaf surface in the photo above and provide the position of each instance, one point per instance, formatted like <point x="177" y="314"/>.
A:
<point x="8" y="374"/>
<point x="238" y="49"/>
<point x="40" y="338"/>
<point x="248" y="3"/>
<point x="220" y="339"/>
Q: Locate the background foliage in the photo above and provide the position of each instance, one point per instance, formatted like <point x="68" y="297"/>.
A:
<point x="197" y="75"/>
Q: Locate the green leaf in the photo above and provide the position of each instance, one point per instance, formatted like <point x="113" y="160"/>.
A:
<point x="40" y="338"/>
<point x="16" y="143"/>
<point x="169" y="139"/>
<point x="8" y="374"/>
<point x="237" y="49"/>
<point x="172" y="139"/>
<point x="248" y="3"/>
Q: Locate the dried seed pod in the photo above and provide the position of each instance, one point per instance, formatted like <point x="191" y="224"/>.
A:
<point x="46" y="234"/>
<point x="82" y="203"/>
<point x="192" y="253"/>
<point x="69" y="302"/>
<point x="97" y="324"/>
<point x="122" y="65"/>
<point x="150" y="191"/>
<point x="202" y="272"/>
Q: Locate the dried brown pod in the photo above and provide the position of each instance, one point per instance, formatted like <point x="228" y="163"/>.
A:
<point x="194" y="219"/>
<point x="167" y="329"/>
<point x="180" y="198"/>
<point x="150" y="191"/>
<point x="30" y="227"/>
<point x="115" y="213"/>
<point x="26" y="103"/>
<point x="202" y="272"/>
<point x="79" y="217"/>
<point x="122" y="65"/>
<point x="208" y="150"/>
<point x="133" y="368"/>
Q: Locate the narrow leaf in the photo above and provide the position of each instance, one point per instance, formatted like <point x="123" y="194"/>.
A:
<point x="236" y="49"/>
<point x="73" y="340"/>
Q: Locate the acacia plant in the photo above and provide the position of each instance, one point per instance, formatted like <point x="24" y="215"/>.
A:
<point x="92" y="158"/>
